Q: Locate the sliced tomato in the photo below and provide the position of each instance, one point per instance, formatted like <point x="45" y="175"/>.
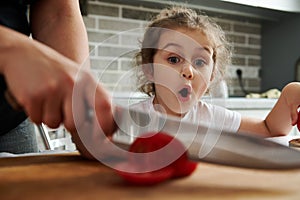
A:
<point x="147" y="178"/>
<point x="157" y="150"/>
<point x="184" y="167"/>
<point x="298" y="122"/>
<point x="152" y="141"/>
<point x="171" y="161"/>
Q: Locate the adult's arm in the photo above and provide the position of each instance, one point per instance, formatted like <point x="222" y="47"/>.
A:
<point x="59" y="25"/>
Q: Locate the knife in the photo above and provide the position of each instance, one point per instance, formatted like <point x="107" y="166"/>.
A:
<point x="204" y="143"/>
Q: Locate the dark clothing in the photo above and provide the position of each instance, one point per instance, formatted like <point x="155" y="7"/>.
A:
<point x="13" y="14"/>
<point x="17" y="133"/>
<point x="21" y="139"/>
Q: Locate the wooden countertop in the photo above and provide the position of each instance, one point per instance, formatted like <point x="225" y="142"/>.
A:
<point x="69" y="176"/>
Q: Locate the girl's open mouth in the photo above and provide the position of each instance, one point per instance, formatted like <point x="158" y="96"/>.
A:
<point x="185" y="93"/>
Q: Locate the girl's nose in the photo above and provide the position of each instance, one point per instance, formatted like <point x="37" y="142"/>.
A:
<point x="187" y="71"/>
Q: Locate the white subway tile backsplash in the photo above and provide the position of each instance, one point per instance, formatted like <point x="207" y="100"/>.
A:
<point x="117" y="24"/>
<point x="114" y="32"/>
<point x="104" y="64"/>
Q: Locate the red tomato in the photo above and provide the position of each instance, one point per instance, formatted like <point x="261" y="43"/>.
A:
<point x="184" y="167"/>
<point x="167" y="160"/>
<point x="298" y="122"/>
<point x="159" y="149"/>
<point x="150" y="142"/>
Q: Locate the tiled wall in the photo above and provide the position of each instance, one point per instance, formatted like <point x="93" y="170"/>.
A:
<point x="115" y="29"/>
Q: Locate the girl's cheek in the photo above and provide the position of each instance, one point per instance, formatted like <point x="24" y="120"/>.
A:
<point x="166" y="76"/>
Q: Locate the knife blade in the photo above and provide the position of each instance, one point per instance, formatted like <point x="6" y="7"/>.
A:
<point x="204" y="143"/>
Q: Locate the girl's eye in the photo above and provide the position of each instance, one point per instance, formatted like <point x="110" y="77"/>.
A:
<point x="199" y="62"/>
<point x="173" y="60"/>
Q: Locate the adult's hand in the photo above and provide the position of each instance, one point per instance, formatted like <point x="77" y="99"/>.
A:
<point x="43" y="83"/>
<point x="42" y="74"/>
<point x="93" y="117"/>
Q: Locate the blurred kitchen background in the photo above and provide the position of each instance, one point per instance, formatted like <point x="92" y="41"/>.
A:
<point x="265" y="37"/>
<point x="266" y="40"/>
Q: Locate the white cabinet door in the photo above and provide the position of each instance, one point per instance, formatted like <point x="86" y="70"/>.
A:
<point x="262" y="113"/>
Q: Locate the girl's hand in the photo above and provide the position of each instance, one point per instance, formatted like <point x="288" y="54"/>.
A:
<point x="291" y="94"/>
<point x="281" y="118"/>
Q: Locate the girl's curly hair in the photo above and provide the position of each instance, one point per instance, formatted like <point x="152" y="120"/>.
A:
<point x="180" y="17"/>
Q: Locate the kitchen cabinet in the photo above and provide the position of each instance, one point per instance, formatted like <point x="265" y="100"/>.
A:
<point x="258" y="108"/>
<point x="250" y="9"/>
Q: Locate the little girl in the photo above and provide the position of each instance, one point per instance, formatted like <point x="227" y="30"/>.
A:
<point x="183" y="54"/>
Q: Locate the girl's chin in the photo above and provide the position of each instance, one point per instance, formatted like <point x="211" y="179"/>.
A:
<point x="177" y="108"/>
<point x="183" y="109"/>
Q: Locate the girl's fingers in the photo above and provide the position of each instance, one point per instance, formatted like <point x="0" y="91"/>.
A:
<point x="294" y="114"/>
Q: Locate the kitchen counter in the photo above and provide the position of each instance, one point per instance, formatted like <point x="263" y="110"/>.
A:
<point x="233" y="103"/>
<point x="69" y="176"/>
<point x="239" y="103"/>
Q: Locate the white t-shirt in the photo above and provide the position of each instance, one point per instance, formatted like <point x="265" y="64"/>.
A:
<point x="212" y="116"/>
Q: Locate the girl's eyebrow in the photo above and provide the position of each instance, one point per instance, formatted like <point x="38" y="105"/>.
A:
<point x="209" y="50"/>
<point x="171" y="44"/>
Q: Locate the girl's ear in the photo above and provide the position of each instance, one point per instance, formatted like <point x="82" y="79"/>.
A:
<point x="148" y="71"/>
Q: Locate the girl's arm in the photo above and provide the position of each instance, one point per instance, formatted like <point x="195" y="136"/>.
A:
<point x="281" y="118"/>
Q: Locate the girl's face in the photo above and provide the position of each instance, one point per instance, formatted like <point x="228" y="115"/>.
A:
<point x="182" y="70"/>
